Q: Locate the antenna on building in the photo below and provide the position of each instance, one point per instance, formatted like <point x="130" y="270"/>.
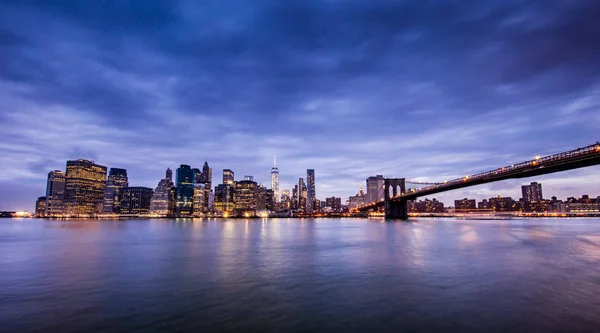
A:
<point x="274" y="161"/>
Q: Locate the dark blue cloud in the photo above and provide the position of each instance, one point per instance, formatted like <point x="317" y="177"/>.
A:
<point x="432" y="89"/>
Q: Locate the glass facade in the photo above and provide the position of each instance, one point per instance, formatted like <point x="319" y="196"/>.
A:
<point x="185" y="190"/>
<point x="117" y="179"/>
<point x="228" y="177"/>
<point x="275" y="180"/>
<point x="224" y="198"/>
<point x="55" y="193"/>
<point x="245" y="198"/>
<point x="136" y="200"/>
<point x="84" y="187"/>
<point x="310" y="190"/>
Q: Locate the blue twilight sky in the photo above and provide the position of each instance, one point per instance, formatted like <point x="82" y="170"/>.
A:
<point x="427" y="90"/>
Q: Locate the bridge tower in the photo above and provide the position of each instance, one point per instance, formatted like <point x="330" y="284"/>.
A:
<point x="395" y="209"/>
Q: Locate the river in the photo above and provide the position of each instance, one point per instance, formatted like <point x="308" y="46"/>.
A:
<point x="299" y="275"/>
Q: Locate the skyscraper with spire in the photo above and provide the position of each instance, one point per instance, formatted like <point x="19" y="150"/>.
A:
<point x="275" y="180"/>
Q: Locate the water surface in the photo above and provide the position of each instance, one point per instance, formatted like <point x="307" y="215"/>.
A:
<point x="295" y="275"/>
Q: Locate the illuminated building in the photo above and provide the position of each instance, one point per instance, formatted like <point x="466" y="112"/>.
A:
<point x="163" y="199"/>
<point x="275" y="180"/>
<point x="532" y="196"/>
<point x="228" y="177"/>
<point x="198" y="179"/>
<point x="285" y="200"/>
<point x="185" y="190"/>
<point x="207" y="176"/>
<point x="358" y="199"/>
<point x="270" y="200"/>
<point x="224" y="198"/>
<point x="55" y="193"/>
<point x="245" y="198"/>
<point x="200" y="199"/>
<point x="117" y="179"/>
<point x="40" y="206"/>
<point x="261" y="198"/>
<point x="135" y="200"/>
<point x="310" y="190"/>
<point x="84" y="187"/>
<point x="334" y="203"/>
<point x="294" y="199"/>
<point x="249" y="178"/>
<point x="465" y="204"/>
<point x="302" y="195"/>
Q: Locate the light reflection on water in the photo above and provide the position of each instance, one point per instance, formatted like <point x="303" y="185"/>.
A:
<point x="300" y="275"/>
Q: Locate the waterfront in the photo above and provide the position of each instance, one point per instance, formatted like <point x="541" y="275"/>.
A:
<point x="300" y="275"/>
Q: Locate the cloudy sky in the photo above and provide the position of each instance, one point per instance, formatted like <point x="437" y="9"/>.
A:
<point x="427" y="90"/>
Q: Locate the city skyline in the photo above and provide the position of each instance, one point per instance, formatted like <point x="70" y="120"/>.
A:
<point x="146" y="89"/>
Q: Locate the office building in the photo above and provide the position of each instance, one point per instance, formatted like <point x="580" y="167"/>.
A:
<point x="249" y="178"/>
<point x="200" y="200"/>
<point x="135" y="200"/>
<point x="84" y="187"/>
<point x="207" y="176"/>
<point x="261" y="198"/>
<point x="198" y="179"/>
<point x="223" y="202"/>
<point x="302" y="195"/>
<point x="334" y="203"/>
<point x="163" y="199"/>
<point x="294" y="198"/>
<point x="185" y="190"/>
<point x="375" y="190"/>
<point x="228" y="177"/>
<point x="117" y="179"/>
<point x="245" y="198"/>
<point x="357" y="200"/>
<point x="275" y="180"/>
<point x="40" y="206"/>
<point x="310" y="190"/>
<point x="55" y="193"/>
<point x="286" y="200"/>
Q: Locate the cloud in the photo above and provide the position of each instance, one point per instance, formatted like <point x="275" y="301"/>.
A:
<point x="350" y="88"/>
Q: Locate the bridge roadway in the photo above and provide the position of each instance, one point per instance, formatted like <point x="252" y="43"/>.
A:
<point x="574" y="159"/>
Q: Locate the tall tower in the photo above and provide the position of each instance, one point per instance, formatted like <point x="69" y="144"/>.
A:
<point x="84" y="187"/>
<point x="275" y="180"/>
<point x="55" y="192"/>
<point x="310" y="190"/>
<point x="117" y="180"/>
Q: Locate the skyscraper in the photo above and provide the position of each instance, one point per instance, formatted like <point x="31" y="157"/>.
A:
<point x="84" y="187"/>
<point x="275" y="180"/>
<point x="200" y="199"/>
<point x="224" y="198"/>
<point x="163" y="201"/>
<point x="375" y="188"/>
<point x="207" y="175"/>
<point x="198" y="179"/>
<point x="136" y="200"/>
<point x="55" y="193"/>
<point x="302" y="195"/>
<point x="310" y="190"/>
<point x="245" y="198"/>
<point x="228" y="177"/>
<point x="40" y="206"/>
<point x="185" y="189"/>
<point x="117" y="179"/>
<point x="532" y="192"/>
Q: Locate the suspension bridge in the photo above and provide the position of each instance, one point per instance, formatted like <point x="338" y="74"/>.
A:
<point x="396" y="196"/>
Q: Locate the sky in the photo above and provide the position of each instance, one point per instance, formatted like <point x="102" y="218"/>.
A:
<point x="427" y="90"/>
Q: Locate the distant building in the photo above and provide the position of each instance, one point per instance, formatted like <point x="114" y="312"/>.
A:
<point x="310" y="190"/>
<point x="261" y="198"/>
<point x="207" y="176"/>
<point x="275" y="180"/>
<point x="375" y="190"/>
<point x="185" y="190"/>
<point x="228" y="177"/>
<point x="426" y="206"/>
<point x="294" y="199"/>
<point x="502" y="204"/>
<point x="249" y="178"/>
<point x="224" y="203"/>
<point x="465" y="204"/>
<point x="117" y="179"/>
<point x="136" y="200"/>
<point x="163" y="198"/>
<point x="532" y="192"/>
<point x="200" y="199"/>
<point x="198" y="179"/>
<point x="334" y="203"/>
<point x="302" y="195"/>
<point x="40" y="206"/>
<point x="286" y="200"/>
<point x="357" y="200"/>
<point x="84" y="187"/>
<point x="55" y="193"/>
<point x="245" y="198"/>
